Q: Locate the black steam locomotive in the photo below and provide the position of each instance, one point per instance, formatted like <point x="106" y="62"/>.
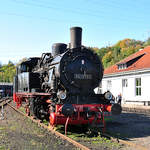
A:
<point x="59" y="86"/>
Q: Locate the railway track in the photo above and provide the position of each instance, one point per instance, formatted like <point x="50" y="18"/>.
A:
<point x="58" y="134"/>
<point x="136" y="146"/>
<point x="49" y="128"/>
<point x="4" y="101"/>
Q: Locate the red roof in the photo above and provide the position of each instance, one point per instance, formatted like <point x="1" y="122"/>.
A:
<point x="142" y="63"/>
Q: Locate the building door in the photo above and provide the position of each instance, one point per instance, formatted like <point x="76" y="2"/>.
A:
<point x="124" y="89"/>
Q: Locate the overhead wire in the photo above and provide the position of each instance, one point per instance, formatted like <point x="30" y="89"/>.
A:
<point x="54" y="8"/>
<point x="96" y="24"/>
<point x="124" y="5"/>
<point x="97" y="14"/>
<point x="49" y="19"/>
<point x="88" y="12"/>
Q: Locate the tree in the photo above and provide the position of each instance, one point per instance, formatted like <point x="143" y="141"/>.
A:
<point x="147" y="42"/>
<point x="116" y="53"/>
<point x="7" y="72"/>
<point x="107" y="59"/>
<point x="113" y="54"/>
<point x="10" y="62"/>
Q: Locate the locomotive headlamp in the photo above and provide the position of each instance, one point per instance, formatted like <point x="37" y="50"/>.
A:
<point x="108" y="95"/>
<point x="61" y="95"/>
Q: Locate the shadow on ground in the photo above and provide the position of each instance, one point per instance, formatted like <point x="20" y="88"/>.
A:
<point x="129" y="125"/>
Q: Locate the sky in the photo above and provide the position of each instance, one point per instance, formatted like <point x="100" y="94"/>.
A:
<point x="28" y="28"/>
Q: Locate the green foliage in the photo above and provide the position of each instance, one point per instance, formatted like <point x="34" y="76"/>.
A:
<point x="7" y="72"/>
<point x="147" y="42"/>
<point x="119" y="51"/>
<point x="109" y="56"/>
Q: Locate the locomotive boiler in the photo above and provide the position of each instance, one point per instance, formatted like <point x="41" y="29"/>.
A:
<point x="59" y="86"/>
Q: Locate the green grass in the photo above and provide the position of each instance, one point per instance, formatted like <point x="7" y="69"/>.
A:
<point x="2" y="128"/>
<point x="22" y="109"/>
<point x="78" y="134"/>
<point x="108" y="119"/>
<point x="2" y="148"/>
<point x="45" y="122"/>
<point x="118" y="135"/>
<point x="13" y="128"/>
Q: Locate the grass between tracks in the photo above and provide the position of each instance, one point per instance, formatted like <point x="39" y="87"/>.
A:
<point x="85" y="135"/>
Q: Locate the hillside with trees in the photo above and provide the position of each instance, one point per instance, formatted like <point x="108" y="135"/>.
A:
<point x="7" y="72"/>
<point x="122" y="49"/>
<point x="109" y="55"/>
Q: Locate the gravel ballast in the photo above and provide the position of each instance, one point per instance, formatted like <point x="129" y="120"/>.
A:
<point x="19" y="133"/>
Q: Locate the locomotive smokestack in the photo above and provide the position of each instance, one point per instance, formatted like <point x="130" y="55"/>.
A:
<point x="76" y="37"/>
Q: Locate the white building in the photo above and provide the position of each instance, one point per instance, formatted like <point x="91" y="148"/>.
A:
<point x="131" y="78"/>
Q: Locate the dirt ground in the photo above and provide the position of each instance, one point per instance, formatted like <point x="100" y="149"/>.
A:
<point x="133" y="127"/>
<point x="19" y="133"/>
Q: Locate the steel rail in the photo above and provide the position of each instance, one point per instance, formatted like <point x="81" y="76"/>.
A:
<point x="131" y="144"/>
<point x="49" y="128"/>
<point x="4" y="101"/>
<point x="78" y="145"/>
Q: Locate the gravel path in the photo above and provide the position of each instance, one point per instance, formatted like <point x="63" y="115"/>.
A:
<point x="134" y="127"/>
<point x="19" y="133"/>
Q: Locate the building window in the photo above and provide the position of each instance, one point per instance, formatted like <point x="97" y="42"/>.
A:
<point x="122" y="66"/>
<point x="109" y="85"/>
<point x="138" y="86"/>
<point x="124" y="82"/>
